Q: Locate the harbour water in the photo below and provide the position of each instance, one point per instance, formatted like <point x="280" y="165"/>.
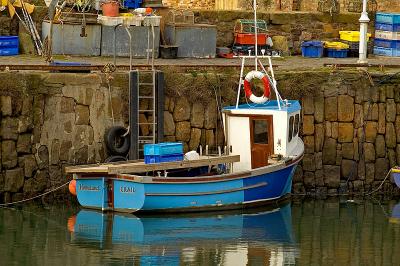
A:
<point x="299" y="232"/>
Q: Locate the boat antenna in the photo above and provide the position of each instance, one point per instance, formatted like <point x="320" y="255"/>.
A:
<point x="255" y="34"/>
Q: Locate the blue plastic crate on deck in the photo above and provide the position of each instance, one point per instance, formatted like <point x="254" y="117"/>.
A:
<point x="132" y="3"/>
<point x="386" y="51"/>
<point x="387" y="27"/>
<point x="9" y="45"/>
<point x="387" y="18"/>
<point x="163" y="152"/>
<point x="387" y="43"/>
<point x="312" y="49"/>
<point x="336" y="53"/>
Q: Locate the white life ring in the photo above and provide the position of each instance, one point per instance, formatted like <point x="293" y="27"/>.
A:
<point x="247" y="87"/>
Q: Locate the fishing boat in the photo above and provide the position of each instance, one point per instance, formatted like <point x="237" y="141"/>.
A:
<point x="396" y="175"/>
<point x="263" y="148"/>
<point x="395" y="217"/>
<point x="171" y="236"/>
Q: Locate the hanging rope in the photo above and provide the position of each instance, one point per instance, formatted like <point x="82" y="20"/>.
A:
<point x="38" y="196"/>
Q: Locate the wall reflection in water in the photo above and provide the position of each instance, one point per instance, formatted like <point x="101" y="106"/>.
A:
<point x="334" y="232"/>
<point x="305" y="232"/>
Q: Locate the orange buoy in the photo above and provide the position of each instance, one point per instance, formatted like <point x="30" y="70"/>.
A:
<point x="72" y="187"/>
<point x="71" y="223"/>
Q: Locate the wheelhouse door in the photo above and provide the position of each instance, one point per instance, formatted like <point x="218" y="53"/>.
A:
<point x="262" y="140"/>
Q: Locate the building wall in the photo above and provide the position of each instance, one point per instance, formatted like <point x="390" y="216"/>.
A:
<point x="350" y="128"/>
<point x="273" y="5"/>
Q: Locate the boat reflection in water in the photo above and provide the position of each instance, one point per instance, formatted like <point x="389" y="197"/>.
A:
<point x="395" y="217"/>
<point x="257" y="237"/>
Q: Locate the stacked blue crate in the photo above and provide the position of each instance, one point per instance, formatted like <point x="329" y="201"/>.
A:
<point x="387" y="34"/>
<point x="132" y="3"/>
<point x="163" y="152"/>
<point x="9" y="45"/>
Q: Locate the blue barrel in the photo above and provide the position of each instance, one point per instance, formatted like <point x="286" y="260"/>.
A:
<point x="9" y="45"/>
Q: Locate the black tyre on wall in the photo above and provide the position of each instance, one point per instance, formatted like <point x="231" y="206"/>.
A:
<point x="116" y="142"/>
<point x="115" y="158"/>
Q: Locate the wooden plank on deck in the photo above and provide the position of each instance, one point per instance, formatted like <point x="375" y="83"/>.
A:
<point x="140" y="166"/>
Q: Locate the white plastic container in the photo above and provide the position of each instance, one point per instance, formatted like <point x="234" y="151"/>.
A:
<point x="387" y="35"/>
<point x="152" y="21"/>
<point x="110" y="21"/>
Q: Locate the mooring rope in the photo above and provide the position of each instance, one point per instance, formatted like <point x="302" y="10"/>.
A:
<point x="379" y="187"/>
<point x="35" y="197"/>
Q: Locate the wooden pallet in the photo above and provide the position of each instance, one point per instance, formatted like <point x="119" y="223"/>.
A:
<point x="141" y="167"/>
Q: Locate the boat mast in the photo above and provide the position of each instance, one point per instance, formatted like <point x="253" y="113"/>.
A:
<point x="255" y="34"/>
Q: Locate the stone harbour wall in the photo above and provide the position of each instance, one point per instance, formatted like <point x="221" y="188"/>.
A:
<point x="48" y="121"/>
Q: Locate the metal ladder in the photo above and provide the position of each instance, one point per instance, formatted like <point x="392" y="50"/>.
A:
<point x="152" y="137"/>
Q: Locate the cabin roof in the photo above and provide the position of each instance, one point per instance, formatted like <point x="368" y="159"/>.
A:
<point x="272" y="105"/>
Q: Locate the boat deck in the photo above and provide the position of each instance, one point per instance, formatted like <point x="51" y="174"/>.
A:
<point x="140" y="167"/>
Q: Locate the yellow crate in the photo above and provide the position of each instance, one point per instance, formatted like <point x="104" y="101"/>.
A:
<point x="336" y="45"/>
<point x="352" y="36"/>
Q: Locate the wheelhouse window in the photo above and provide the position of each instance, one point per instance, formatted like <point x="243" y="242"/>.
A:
<point x="296" y="124"/>
<point x="260" y="133"/>
<point x="291" y="122"/>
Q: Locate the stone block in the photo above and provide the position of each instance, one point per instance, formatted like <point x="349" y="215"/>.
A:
<point x="42" y="157"/>
<point x="82" y="115"/>
<point x="398" y="153"/>
<point x="6" y="105"/>
<point x="392" y="157"/>
<point x="381" y="168"/>
<point x="374" y="112"/>
<point x="331" y="176"/>
<point x="329" y="151"/>
<point x="361" y="169"/>
<point x="24" y="143"/>
<point x="25" y="124"/>
<point x="348" y="151"/>
<point x="338" y="156"/>
<point x="67" y="105"/>
<point x="380" y="147"/>
<point x="390" y="110"/>
<point x="308" y="125"/>
<point x="281" y="43"/>
<point x="309" y="162"/>
<point x="348" y="169"/>
<point x="81" y="155"/>
<point x="9" y="128"/>
<point x="382" y="119"/>
<point x="318" y="160"/>
<point x="309" y="144"/>
<point x="319" y="109"/>
<point x="298" y="175"/>
<point x="371" y="130"/>
<point x="309" y="179"/>
<point x="195" y="136"/>
<point x="8" y="154"/>
<point x="182" y="109"/>
<point x="319" y="137"/>
<point x="27" y="105"/>
<point x="13" y="180"/>
<point x="169" y="124"/>
<point x="210" y="115"/>
<point x="319" y="178"/>
<point x="55" y="151"/>
<point x="65" y="148"/>
<point x="335" y="130"/>
<point x="345" y="132"/>
<point x="358" y="186"/>
<point x="298" y="189"/>
<point x="209" y="137"/>
<point x="358" y="116"/>
<point x="331" y="104"/>
<point x="169" y="138"/>
<point x="397" y="128"/>
<point x="328" y="129"/>
<point x="390" y="136"/>
<point x="197" y="116"/>
<point x="308" y="104"/>
<point x="41" y="178"/>
<point x="382" y="95"/>
<point x="345" y="108"/>
<point x="171" y="107"/>
<point x="30" y="165"/>
<point x="183" y="131"/>
<point x="369" y="152"/>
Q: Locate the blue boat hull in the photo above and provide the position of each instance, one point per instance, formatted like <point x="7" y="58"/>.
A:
<point x="120" y="193"/>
